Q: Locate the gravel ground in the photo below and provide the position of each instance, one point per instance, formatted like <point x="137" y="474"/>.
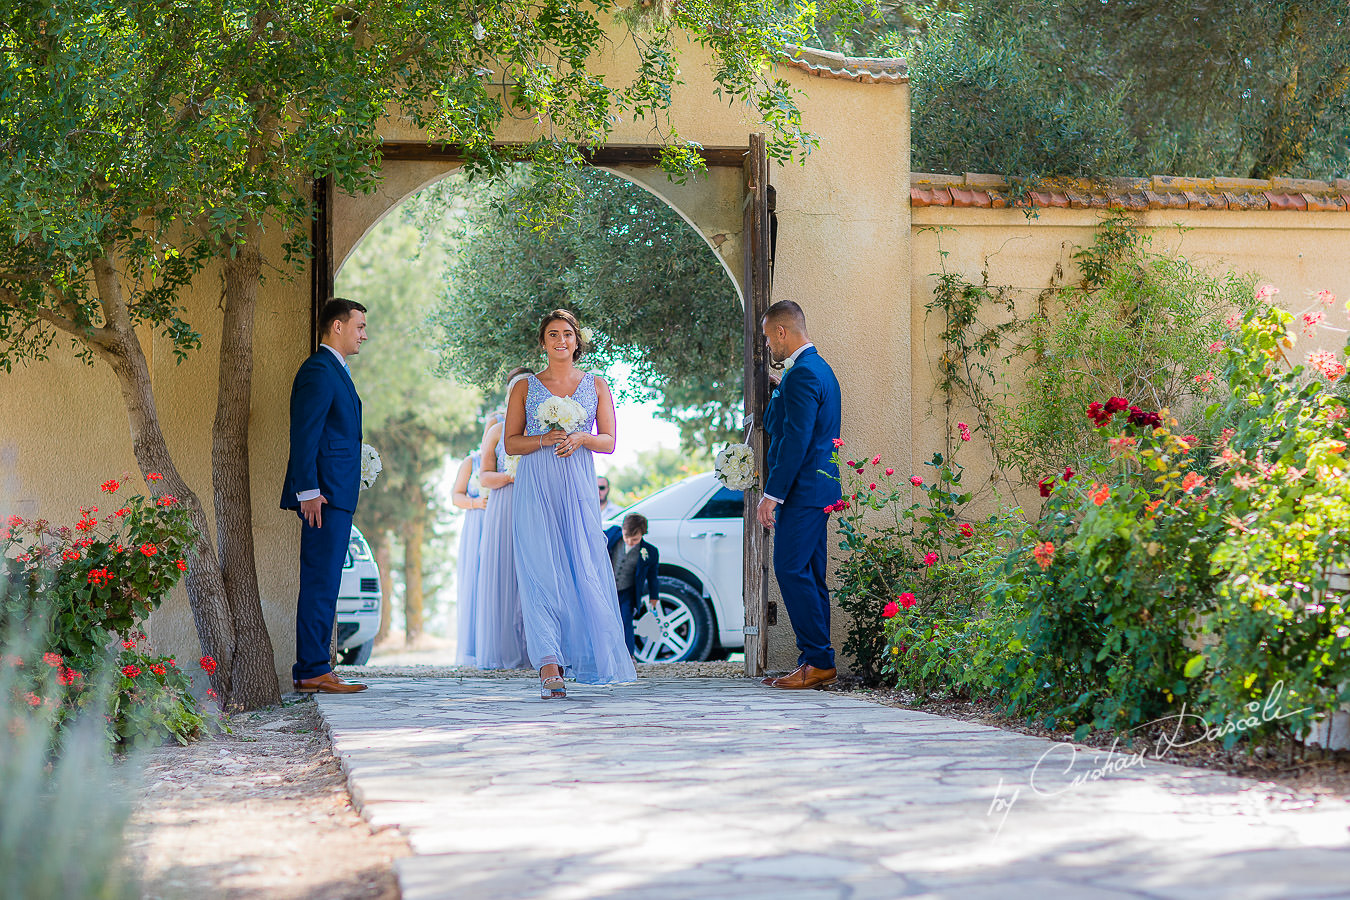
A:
<point x="257" y="813"/>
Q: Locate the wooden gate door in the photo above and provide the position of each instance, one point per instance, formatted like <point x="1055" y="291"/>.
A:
<point x="758" y="242"/>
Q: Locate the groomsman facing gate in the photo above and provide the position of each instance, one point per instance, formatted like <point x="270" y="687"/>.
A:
<point x="802" y="422"/>
<point x="323" y="480"/>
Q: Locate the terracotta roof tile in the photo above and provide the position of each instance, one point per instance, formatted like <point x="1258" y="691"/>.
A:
<point x="825" y="64"/>
<point x="984" y="191"/>
<point x="1286" y="201"/>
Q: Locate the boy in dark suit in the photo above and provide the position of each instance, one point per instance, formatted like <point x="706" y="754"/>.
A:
<point x="323" y="480"/>
<point x="635" y="566"/>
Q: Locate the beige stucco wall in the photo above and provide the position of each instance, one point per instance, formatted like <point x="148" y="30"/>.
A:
<point x="842" y="252"/>
<point x="1299" y="252"/>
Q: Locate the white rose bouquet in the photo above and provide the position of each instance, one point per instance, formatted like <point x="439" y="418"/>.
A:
<point x="735" y="467"/>
<point x="511" y="463"/>
<point x="562" y="413"/>
<point x="371" y="467"/>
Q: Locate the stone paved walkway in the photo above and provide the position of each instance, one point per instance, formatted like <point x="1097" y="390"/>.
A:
<point x="719" y="788"/>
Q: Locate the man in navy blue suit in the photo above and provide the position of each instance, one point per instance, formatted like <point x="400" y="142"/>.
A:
<point x="323" y="479"/>
<point x="802" y="423"/>
<point x="636" y="564"/>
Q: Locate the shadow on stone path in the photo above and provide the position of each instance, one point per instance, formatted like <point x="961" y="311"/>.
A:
<point x="719" y="788"/>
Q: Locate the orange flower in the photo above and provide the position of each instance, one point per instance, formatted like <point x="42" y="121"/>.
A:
<point x="1045" y="554"/>
<point x="1099" y="493"/>
<point x="1191" y="482"/>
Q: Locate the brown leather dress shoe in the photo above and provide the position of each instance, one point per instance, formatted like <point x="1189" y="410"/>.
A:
<point x="806" y="677"/>
<point x="768" y="682"/>
<point x="328" y="683"/>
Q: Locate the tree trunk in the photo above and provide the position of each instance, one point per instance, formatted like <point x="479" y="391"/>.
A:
<point x="383" y="562"/>
<point x="253" y="671"/>
<point x="205" y="585"/>
<point x="414" y="533"/>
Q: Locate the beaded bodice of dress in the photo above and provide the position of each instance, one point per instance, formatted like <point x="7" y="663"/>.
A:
<point x="501" y="452"/>
<point x="585" y="394"/>
<point x="476" y="470"/>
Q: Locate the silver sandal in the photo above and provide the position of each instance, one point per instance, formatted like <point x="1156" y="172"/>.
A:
<point x="552" y="687"/>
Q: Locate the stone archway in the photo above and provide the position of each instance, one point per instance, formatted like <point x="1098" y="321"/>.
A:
<point x="728" y="206"/>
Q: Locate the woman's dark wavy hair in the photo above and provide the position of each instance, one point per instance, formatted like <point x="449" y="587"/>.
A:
<point x="562" y="315"/>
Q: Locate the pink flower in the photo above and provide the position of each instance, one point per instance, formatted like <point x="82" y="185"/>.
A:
<point x="852" y="464"/>
<point x="1326" y="363"/>
<point x="1265" y="292"/>
<point x="838" y="443"/>
<point x="907" y="600"/>
<point x="872" y="486"/>
<point x="876" y="460"/>
<point x="1231" y="320"/>
<point x="1244" y="482"/>
<point x="890" y="471"/>
<point x="929" y="558"/>
<point x="891" y="611"/>
<point x="1311" y="321"/>
<point x="52" y="659"/>
<point x="1326" y="298"/>
<point x="1216" y="346"/>
<point x="967" y="530"/>
<point x="964" y="429"/>
<point x="915" y="480"/>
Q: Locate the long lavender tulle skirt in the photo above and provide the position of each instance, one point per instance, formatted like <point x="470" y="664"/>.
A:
<point x="470" y="545"/>
<point x="499" y="631"/>
<point x="567" y="593"/>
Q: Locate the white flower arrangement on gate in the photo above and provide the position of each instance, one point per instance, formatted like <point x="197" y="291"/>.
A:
<point x="371" y="467"/>
<point x="561" y="413"/>
<point x="735" y="467"/>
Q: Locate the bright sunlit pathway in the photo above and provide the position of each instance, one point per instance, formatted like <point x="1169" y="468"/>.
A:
<point x="720" y="788"/>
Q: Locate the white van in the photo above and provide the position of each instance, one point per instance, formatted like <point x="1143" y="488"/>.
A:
<point x="358" y="605"/>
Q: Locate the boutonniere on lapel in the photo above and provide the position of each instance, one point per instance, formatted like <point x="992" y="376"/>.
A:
<point x="644" y="554"/>
<point x="787" y="364"/>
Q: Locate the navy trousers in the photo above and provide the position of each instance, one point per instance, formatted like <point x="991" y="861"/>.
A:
<point x="800" y="555"/>
<point x="627" y="610"/>
<point x="322" y="553"/>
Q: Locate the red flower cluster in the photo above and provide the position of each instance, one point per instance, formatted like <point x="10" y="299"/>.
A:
<point x="126" y="510"/>
<point x="891" y="610"/>
<point x="967" y="530"/>
<point x="67" y="676"/>
<point x="157" y="669"/>
<point x="149" y="549"/>
<point x="1101" y="415"/>
<point x="167" y="500"/>
<point x="1141" y="419"/>
<point x="110" y="486"/>
<point x="86" y="524"/>
<point x="131" y="671"/>
<point x="907" y="600"/>
<point x="1045" y="554"/>
<point x="154" y="476"/>
<point x="838" y="443"/>
<point x="915" y="480"/>
<point x="52" y="659"/>
<point x="930" y="558"/>
<point x="208" y="665"/>
<point x="70" y="555"/>
<point x="1047" y="484"/>
<point x="964" y="429"/>
<point x="182" y="565"/>
<point x="99" y="577"/>
<point x="838" y="506"/>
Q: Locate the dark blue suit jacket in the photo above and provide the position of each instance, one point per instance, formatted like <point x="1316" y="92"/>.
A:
<point x="646" y="583"/>
<point x="325" y="434"/>
<point x="802" y="422"/>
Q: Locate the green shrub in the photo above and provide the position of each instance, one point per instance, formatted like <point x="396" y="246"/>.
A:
<point x="66" y="805"/>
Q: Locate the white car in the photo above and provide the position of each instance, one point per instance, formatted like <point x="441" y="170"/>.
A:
<point x="697" y="526"/>
<point x="358" y="605"/>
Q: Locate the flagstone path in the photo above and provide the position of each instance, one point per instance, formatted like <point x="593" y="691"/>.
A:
<point x="722" y="789"/>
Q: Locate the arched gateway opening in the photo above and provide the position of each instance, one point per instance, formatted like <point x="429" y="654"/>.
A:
<point x="730" y="207"/>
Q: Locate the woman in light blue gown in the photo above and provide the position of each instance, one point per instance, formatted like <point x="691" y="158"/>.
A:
<point x="469" y="497"/>
<point x="498" y="629"/>
<point x="570" y="605"/>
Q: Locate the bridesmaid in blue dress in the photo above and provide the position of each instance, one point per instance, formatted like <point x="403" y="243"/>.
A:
<point x="468" y="497"/>
<point x="570" y="605"/>
<point x="499" y="630"/>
